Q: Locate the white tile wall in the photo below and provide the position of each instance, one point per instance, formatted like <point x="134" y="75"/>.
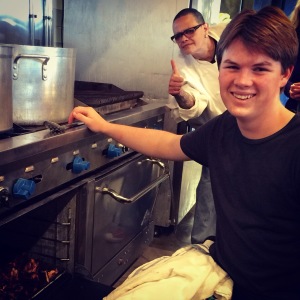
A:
<point x="124" y="42"/>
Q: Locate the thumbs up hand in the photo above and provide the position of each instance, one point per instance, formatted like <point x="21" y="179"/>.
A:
<point x="183" y="98"/>
<point x="176" y="81"/>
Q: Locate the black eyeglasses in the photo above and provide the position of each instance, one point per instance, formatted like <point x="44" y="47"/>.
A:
<point x="188" y="33"/>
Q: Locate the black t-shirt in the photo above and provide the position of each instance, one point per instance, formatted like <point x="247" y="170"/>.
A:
<point x="256" y="187"/>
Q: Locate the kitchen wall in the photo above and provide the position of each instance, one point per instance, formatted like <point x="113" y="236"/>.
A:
<point x="124" y="42"/>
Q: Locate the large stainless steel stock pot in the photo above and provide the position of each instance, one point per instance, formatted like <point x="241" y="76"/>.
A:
<point x="43" y="84"/>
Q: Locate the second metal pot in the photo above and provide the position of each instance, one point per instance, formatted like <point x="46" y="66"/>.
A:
<point x="43" y="84"/>
<point x="6" y="122"/>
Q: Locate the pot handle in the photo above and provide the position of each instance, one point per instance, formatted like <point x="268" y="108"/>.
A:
<point x="44" y="64"/>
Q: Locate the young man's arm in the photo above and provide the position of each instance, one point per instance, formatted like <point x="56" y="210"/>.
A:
<point x="151" y="142"/>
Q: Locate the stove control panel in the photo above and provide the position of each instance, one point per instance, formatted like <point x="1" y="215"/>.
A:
<point x="51" y="170"/>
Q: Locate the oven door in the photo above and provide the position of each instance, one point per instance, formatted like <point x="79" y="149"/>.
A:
<point x="119" y="220"/>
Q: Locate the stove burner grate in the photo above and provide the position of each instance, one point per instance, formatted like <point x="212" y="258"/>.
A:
<point x="100" y="94"/>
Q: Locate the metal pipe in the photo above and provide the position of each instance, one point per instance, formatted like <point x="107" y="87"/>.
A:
<point x="32" y="16"/>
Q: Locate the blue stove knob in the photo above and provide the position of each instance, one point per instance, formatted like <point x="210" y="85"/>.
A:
<point x="24" y="188"/>
<point x="113" y="151"/>
<point x="79" y="165"/>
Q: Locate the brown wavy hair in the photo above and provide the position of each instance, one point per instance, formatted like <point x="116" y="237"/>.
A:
<point x="267" y="31"/>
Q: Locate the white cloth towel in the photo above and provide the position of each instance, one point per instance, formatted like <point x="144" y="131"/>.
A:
<point x="189" y="274"/>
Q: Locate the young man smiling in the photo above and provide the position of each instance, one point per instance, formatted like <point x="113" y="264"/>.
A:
<point x="249" y="82"/>
<point x="252" y="151"/>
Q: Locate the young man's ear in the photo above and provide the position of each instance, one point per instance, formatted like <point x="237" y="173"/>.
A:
<point x="286" y="75"/>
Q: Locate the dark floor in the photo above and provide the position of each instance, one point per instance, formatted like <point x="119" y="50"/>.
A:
<point x="165" y="242"/>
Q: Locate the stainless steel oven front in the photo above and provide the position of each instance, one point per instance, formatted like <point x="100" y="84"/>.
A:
<point x="116" y="220"/>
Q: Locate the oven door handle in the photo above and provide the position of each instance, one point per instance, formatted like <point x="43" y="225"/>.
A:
<point x="121" y="199"/>
<point x="156" y="161"/>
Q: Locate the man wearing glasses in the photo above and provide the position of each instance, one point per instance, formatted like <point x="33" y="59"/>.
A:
<point x="195" y="97"/>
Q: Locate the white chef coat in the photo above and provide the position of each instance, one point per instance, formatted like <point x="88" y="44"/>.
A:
<point x="201" y="81"/>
